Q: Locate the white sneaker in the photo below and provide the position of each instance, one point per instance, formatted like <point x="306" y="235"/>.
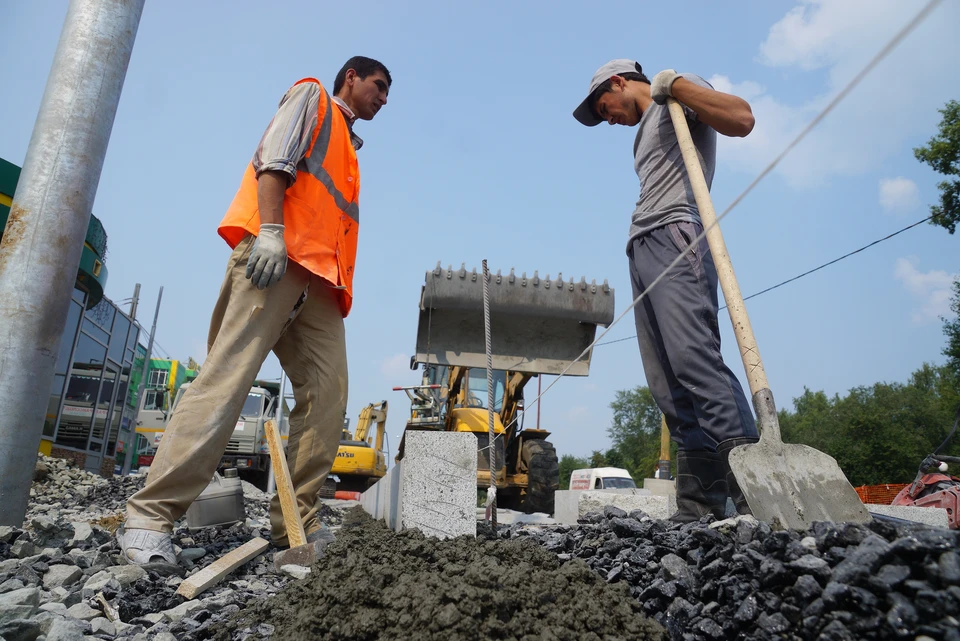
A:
<point x="146" y="546"/>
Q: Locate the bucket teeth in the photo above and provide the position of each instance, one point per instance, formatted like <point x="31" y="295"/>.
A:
<point x="548" y="283"/>
<point x="536" y="330"/>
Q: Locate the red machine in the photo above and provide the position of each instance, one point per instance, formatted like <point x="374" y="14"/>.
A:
<point x="933" y="487"/>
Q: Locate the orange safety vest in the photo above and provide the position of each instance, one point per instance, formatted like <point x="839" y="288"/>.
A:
<point x="321" y="212"/>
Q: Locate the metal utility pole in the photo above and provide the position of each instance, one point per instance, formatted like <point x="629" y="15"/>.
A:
<point x="128" y="459"/>
<point x="135" y="302"/>
<point x="43" y="240"/>
<point x="271" y="479"/>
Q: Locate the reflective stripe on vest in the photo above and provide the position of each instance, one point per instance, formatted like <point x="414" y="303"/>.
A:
<point x="313" y="164"/>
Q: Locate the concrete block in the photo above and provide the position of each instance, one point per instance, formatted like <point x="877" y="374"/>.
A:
<point x="936" y="516"/>
<point x="378" y="502"/>
<point x="433" y="488"/>
<point x="566" y="503"/>
<point x="660" y="487"/>
<point x="658" y="507"/>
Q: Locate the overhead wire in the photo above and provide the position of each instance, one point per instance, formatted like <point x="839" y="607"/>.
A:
<point x="806" y="273"/>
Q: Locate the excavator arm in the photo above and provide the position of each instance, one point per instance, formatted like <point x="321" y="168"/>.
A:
<point x="372" y="413"/>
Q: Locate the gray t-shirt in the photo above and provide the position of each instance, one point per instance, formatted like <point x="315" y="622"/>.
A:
<point x="665" y="192"/>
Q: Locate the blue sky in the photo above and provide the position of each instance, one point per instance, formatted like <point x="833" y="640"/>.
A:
<point x="477" y="156"/>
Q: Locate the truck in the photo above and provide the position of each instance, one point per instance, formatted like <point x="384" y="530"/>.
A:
<point x="601" y="478"/>
<point x="247" y="449"/>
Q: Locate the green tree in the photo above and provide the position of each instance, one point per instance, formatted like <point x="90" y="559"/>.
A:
<point x="879" y="433"/>
<point x="942" y="153"/>
<point x="952" y="330"/>
<point x="569" y="463"/>
<point x="192" y="364"/>
<point x="635" y="432"/>
<point x="597" y="459"/>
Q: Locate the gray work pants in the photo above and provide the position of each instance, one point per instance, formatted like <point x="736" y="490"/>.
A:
<point x="679" y="338"/>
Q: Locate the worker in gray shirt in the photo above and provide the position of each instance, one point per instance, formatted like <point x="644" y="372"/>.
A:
<point x="703" y="402"/>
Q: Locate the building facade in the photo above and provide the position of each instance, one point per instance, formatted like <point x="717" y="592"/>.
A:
<point x="93" y="401"/>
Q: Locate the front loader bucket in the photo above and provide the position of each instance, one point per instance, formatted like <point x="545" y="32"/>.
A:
<point x="538" y="325"/>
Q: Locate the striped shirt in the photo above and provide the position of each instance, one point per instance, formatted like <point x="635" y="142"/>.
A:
<point x="287" y="138"/>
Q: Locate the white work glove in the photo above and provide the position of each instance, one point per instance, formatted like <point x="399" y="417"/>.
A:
<point x="268" y="258"/>
<point x="661" y="87"/>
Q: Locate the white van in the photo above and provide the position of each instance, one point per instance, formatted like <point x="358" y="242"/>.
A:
<point x="601" y="478"/>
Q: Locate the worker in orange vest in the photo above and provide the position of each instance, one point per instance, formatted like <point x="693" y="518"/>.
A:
<point x="293" y="227"/>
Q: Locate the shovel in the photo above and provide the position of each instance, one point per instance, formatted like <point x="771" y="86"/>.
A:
<point x="788" y="485"/>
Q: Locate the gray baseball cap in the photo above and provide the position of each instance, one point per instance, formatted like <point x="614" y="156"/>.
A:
<point x="617" y="67"/>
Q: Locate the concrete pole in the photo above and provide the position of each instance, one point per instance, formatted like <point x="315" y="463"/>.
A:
<point x="43" y="240"/>
<point x="128" y="460"/>
<point x="135" y="302"/>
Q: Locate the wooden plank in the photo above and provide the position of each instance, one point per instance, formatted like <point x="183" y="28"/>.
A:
<point x="288" y="500"/>
<point x="213" y="573"/>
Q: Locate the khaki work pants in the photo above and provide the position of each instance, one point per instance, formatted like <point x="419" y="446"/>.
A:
<point x="308" y="338"/>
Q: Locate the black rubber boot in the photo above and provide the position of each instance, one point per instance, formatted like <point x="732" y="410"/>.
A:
<point x="736" y="494"/>
<point x="701" y="486"/>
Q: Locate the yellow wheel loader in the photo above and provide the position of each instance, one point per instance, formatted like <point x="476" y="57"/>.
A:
<point x="538" y="326"/>
<point x="361" y="458"/>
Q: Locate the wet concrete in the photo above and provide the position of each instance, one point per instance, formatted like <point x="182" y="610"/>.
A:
<point x="374" y="583"/>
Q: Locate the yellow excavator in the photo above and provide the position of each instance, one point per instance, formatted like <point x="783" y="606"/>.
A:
<point x="538" y="326"/>
<point x="362" y="457"/>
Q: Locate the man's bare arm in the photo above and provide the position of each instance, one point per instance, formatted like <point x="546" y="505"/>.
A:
<point x="728" y="114"/>
<point x="271" y="187"/>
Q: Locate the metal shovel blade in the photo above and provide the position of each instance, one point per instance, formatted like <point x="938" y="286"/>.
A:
<point x="794" y="485"/>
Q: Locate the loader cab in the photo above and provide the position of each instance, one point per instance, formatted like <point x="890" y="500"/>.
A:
<point x="475" y="395"/>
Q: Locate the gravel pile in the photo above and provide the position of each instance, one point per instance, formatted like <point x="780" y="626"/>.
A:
<point x="53" y="570"/>
<point x="738" y="579"/>
<point x="614" y="576"/>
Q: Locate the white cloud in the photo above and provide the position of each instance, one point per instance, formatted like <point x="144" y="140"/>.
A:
<point x="899" y="194"/>
<point x="396" y="366"/>
<point x="820" y="45"/>
<point x="932" y="289"/>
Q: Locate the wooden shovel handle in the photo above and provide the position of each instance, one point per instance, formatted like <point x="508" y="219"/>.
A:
<point x="749" y="352"/>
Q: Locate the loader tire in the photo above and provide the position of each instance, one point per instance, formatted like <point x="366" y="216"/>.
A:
<point x="543" y="476"/>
